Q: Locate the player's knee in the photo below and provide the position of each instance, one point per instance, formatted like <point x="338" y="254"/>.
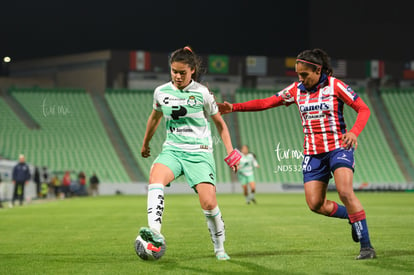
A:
<point x="208" y="204"/>
<point x="315" y="205"/>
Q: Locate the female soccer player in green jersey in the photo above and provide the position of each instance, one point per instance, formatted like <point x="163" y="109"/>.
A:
<point x="245" y="174"/>
<point x="186" y="105"/>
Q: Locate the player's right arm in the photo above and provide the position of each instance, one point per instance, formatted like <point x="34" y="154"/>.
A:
<point x="285" y="97"/>
<point x="152" y="125"/>
<point x="251" y="106"/>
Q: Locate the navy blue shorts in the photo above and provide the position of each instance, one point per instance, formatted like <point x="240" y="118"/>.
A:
<point x="319" y="167"/>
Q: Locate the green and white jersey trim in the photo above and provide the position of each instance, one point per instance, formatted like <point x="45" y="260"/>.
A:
<point x="247" y="164"/>
<point x="186" y="115"/>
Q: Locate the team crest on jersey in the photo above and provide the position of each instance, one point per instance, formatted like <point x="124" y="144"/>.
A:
<point x="191" y="101"/>
<point x="326" y="91"/>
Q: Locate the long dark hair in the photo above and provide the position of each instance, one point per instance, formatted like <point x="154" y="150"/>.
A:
<point x="316" y="58"/>
<point x="187" y="55"/>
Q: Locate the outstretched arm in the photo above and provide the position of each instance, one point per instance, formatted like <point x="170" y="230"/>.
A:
<point x="152" y="124"/>
<point x="350" y="138"/>
<point x="252" y="105"/>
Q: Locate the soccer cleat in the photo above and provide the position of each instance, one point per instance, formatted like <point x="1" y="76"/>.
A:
<point x="366" y="253"/>
<point x="254" y="201"/>
<point x="354" y="233"/>
<point x="222" y="256"/>
<point x="152" y="236"/>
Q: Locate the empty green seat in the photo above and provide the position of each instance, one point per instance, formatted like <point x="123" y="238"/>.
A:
<point x="71" y="135"/>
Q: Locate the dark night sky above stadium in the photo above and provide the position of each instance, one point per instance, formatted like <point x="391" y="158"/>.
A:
<point x="30" y="29"/>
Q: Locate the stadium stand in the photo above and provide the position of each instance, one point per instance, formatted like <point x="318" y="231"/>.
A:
<point x="399" y="103"/>
<point x="12" y="128"/>
<point x="70" y="136"/>
<point x="276" y="135"/>
<point x="131" y="109"/>
<point x="374" y="159"/>
<point x="267" y="131"/>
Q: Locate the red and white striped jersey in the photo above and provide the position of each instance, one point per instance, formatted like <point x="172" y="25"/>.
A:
<point x="321" y="112"/>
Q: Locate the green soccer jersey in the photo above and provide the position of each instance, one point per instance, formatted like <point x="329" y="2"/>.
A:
<point x="186" y="115"/>
<point x="247" y="164"/>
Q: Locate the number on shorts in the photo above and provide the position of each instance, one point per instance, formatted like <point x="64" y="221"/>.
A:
<point x="305" y="164"/>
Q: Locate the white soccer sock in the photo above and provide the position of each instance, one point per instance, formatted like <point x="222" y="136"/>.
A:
<point x="155" y="203"/>
<point x="247" y="198"/>
<point x="251" y="196"/>
<point x="216" y="228"/>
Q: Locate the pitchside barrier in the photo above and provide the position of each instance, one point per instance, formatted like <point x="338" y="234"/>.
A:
<point x="6" y="189"/>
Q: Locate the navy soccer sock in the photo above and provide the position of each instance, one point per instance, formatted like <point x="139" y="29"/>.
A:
<point x="339" y="211"/>
<point x="359" y="223"/>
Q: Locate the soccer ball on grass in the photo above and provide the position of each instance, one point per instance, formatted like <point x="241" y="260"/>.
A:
<point x="147" y="251"/>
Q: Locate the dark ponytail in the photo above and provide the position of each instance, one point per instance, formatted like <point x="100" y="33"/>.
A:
<point x="316" y="58"/>
<point x="186" y="55"/>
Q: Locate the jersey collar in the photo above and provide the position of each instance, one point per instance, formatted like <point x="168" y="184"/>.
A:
<point x="319" y="85"/>
<point x="186" y="87"/>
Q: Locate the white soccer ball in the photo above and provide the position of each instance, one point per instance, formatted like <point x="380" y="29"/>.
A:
<point x="147" y="251"/>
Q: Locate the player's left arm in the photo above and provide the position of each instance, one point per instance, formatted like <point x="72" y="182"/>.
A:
<point x="211" y="109"/>
<point x="255" y="163"/>
<point x="233" y="156"/>
<point x="350" y="98"/>
<point x="223" y="132"/>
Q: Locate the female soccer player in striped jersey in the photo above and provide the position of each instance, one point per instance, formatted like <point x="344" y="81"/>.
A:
<point x="328" y="146"/>
<point x="245" y="174"/>
<point x="186" y="105"/>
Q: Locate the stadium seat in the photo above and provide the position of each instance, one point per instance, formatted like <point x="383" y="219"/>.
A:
<point x="375" y="162"/>
<point x="399" y="103"/>
<point x="71" y="135"/>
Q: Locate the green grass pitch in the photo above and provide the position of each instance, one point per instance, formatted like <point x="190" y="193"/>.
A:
<point x="279" y="235"/>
